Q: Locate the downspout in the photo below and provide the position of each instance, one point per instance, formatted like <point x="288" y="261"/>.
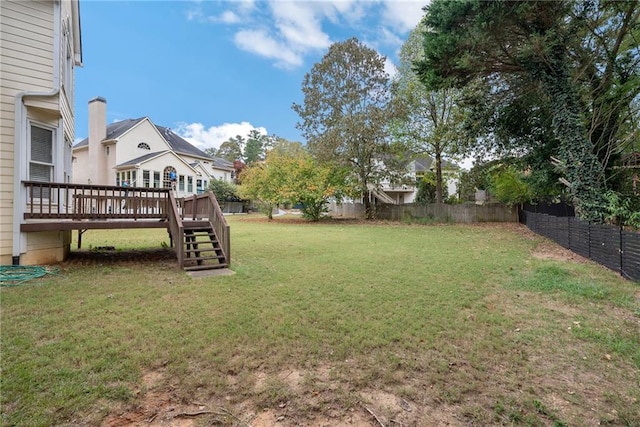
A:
<point x="20" y="131"/>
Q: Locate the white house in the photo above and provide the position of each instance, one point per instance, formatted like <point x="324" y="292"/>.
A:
<point x="40" y="46"/>
<point x="406" y="193"/>
<point x="139" y="153"/>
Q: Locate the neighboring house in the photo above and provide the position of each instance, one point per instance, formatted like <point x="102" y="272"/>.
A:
<point x="40" y="45"/>
<point x="406" y="193"/>
<point x="138" y="153"/>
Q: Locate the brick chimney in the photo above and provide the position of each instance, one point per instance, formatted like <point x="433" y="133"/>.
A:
<point x="97" y="133"/>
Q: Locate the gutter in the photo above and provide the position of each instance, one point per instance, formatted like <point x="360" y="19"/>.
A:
<point x="20" y="127"/>
<point x="19" y="198"/>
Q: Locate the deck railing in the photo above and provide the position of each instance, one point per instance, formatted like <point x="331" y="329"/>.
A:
<point x="50" y="200"/>
<point x="64" y="204"/>
<point x="176" y="228"/>
<point x="205" y="206"/>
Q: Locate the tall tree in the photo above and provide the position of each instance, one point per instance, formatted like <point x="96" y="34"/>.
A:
<point x="346" y="111"/>
<point x="531" y="39"/>
<point x="432" y="121"/>
<point x="231" y="149"/>
<point x="254" y="147"/>
<point x="608" y="71"/>
<point x="516" y="127"/>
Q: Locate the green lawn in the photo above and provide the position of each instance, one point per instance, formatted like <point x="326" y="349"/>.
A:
<point x="335" y="323"/>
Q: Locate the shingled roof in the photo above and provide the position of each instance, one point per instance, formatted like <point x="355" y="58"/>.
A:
<point x="114" y="130"/>
<point x="143" y="158"/>
<point x="177" y="143"/>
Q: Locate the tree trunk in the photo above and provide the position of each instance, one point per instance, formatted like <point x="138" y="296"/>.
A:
<point x="368" y="208"/>
<point x="438" y="175"/>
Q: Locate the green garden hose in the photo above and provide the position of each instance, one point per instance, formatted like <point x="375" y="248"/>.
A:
<point x="14" y="275"/>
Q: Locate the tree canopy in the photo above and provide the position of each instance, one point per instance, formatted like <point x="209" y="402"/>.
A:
<point x="432" y="121"/>
<point x="579" y="58"/>
<point x="290" y="174"/>
<point x="346" y="111"/>
<point x="231" y="149"/>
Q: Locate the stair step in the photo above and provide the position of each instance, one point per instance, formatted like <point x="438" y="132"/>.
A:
<point x="204" y="258"/>
<point x="199" y="230"/>
<point x="206" y="239"/>
<point x="191" y="251"/>
<point x="205" y="267"/>
<point x="195" y="224"/>
<point x="208" y="248"/>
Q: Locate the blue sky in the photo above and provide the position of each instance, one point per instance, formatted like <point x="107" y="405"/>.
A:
<point x="211" y="70"/>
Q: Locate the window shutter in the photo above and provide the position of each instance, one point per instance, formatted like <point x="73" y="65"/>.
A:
<point x="39" y="173"/>
<point x="41" y="164"/>
<point x="41" y="145"/>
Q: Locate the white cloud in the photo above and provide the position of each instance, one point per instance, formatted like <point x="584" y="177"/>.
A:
<point x="287" y="31"/>
<point x="229" y="17"/>
<point x="388" y="37"/>
<point x="390" y="67"/>
<point x="245" y="6"/>
<point x="261" y="43"/>
<point x="211" y="137"/>
<point x="403" y="15"/>
<point x="299" y="24"/>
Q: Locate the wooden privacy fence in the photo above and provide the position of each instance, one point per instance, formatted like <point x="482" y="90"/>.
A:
<point x="464" y="213"/>
<point x="609" y="245"/>
<point x="346" y="210"/>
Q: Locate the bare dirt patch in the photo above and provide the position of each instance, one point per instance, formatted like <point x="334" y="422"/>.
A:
<point x="549" y="250"/>
<point x="157" y="405"/>
<point x="128" y="256"/>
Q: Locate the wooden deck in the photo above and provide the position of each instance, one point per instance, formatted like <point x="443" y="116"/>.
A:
<point x="62" y="207"/>
<point x="64" y="225"/>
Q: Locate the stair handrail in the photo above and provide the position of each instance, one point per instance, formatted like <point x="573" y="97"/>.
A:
<point x="177" y="228"/>
<point x="220" y="226"/>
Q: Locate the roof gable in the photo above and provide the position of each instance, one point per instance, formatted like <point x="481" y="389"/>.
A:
<point x="152" y="156"/>
<point x="114" y="130"/>
<point x="175" y="142"/>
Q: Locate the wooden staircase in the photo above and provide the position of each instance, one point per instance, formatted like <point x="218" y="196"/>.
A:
<point x="199" y="233"/>
<point x="201" y="248"/>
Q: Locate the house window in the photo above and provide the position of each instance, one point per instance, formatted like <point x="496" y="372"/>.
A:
<point x="156" y="179"/>
<point x="189" y="184"/>
<point x="41" y="161"/>
<point x="181" y="183"/>
<point x="134" y="179"/>
<point x="145" y="179"/>
<point x="144" y="146"/>
<point x="168" y="176"/>
<point x="199" y="186"/>
<point x="118" y="181"/>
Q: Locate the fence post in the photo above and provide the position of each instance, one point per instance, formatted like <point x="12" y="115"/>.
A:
<point x="620" y="251"/>
<point x="589" y="237"/>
